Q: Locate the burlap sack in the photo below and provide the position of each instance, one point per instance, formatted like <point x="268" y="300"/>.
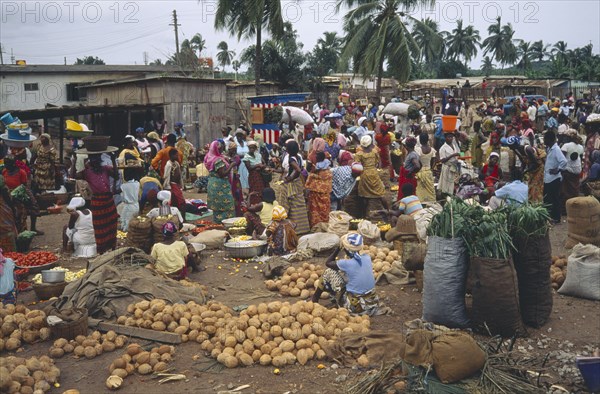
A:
<point x="339" y="222"/>
<point x="139" y="234"/>
<point x="583" y="218"/>
<point x="213" y="239"/>
<point x="456" y="356"/>
<point x="413" y="255"/>
<point x="495" y="297"/>
<point x="369" y="231"/>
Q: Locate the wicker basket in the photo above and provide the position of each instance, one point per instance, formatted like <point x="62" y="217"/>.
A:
<point x="236" y="232"/>
<point x="96" y="143"/>
<point x="71" y="329"/>
<point x="45" y="291"/>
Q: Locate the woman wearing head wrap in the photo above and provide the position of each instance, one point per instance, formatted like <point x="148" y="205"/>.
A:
<point x="357" y="292"/>
<point x="234" y="177"/>
<point x="411" y="166"/>
<point x="281" y="234"/>
<point x="370" y="185"/>
<point x="331" y="146"/>
<point x="44" y="171"/>
<point x="165" y="209"/>
<point x="242" y="149"/>
<point x="491" y="173"/>
<point x="290" y="190"/>
<point x="425" y="186"/>
<point x="80" y="229"/>
<point x="17" y="181"/>
<point x="258" y="216"/>
<point x="220" y="198"/>
<point x="319" y="184"/>
<point x="8" y="228"/>
<point x="450" y="165"/>
<point x="318" y="145"/>
<point x="532" y="166"/>
<point x="384" y="141"/>
<point x="170" y="254"/>
<point x="254" y="164"/>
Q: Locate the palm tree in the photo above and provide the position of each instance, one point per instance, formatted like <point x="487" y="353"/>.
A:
<point x="236" y="66"/>
<point x="224" y="56"/>
<point x="487" y="66"/>
<point x="331" y="41"/>
<point x="429" y="39"/>
<point x="463" y="42"/>
<point x="500" y="43"/>
<point x="247" y="19"/>
<point x="539" y="50"/>
<point x="525" y="55"/>
<point x="198" y="43"/>
<point x="380" y="33"/>
<point x="559" y="50"/>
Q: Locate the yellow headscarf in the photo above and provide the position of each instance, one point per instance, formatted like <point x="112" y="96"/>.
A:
<point x="279" y="213"/>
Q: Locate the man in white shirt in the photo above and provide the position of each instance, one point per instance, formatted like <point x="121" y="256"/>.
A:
<point x="555" y="163"/>
<point x="532" y="112"/>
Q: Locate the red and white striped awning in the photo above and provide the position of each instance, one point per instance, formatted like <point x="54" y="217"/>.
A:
<point x="270" y="136"/>
<point x="269" y="105"/>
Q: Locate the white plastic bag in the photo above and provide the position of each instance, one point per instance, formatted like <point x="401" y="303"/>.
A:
<point x="369" y="231"/>
<point x="318" y="242"/>
<point x="398" y="109"/>
<point x="583" y="273"/>
<point x="339" y="222"/>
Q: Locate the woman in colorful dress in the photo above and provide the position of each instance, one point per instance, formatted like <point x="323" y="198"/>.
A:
<point x="319" y="184"/>
<point x="259" y="216"/>
<point x="532" y="165"/>
<point x="44" y="165"/>
<point x="491" y="174"/>
<point x="234" y="178"/>
<point x="384" y="141"/>
<point x="186" y="150"/>
<point x="449" y="154"/>
<point x="254" y="163"/>
<point x="425" y="185"/>
<point x="24" y="202"/>
<point x="318" y="145"/>
<point x="370" y="185"/>
<point x="242" y="149"/>
<point x="173" y="181"/>
<point x="281" y="234"/>
<point x="350" y="281"/>
<point x="290" y="193"/>
<point x="220" y="199"/>
<point x="412" y="165"/>
<point x="8" y="228"/>
<point x="104" y="212"/>
<point x="331" y="146"/>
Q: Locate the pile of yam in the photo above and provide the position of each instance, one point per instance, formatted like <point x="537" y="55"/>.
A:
<point x="297" y="282"/>
<point x="19" y="324"/>
<point x="558" y="271"/>
<point x="27" y="376"/>
<point x="89" y="347"/>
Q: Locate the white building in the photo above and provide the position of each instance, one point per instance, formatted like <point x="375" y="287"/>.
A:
<point x="31" y="87"/>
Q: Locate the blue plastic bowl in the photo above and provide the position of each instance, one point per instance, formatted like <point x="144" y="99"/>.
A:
<point x="590" y="370"/>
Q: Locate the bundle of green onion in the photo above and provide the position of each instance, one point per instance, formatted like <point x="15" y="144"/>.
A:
<point x="451" y="222"/>
<point x="527" y="220"/>
<point x="487" y="235"/>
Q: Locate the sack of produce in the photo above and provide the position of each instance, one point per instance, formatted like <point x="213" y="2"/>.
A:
<point x="495" y="296"/>
<point x="583" y="273"/>
<point x="583" y="218"/>
<point x="213" y="239"/>
<point x="396" y="109"/>
<point x="319" y="242"/>
<point x="533" y="258"/>
<point x="299" y="116"/>
<point x="456" y="356"/>
<point x="413" y="255"/>
<point x="444" y="276"/>
<point x="157" y="224"/>
<point x="339" y="222"/>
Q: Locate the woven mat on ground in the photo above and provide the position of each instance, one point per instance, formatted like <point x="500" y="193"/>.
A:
<point x="379" y="346"/>
<point x="118" y="278"/>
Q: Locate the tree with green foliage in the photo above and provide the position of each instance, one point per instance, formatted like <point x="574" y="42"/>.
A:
<point x="463" y="42"/>
<point x="90" y="60"/>
<point x="539" y="51"/>
<point x="430" y="41"/>
<point x="224" y="56"/>
<point x="198" y="43"/>
<point x="247" y="19"/>
<point x="500" y="43"/>
<point x="524" y="54"/>
<point x="487" y="66"/>
<point x="380" y="32"/>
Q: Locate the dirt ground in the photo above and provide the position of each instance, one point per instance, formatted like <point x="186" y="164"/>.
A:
<point x="573" y="329"/>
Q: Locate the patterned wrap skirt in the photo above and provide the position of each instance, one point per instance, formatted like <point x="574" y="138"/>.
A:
<point x="333" y="282"/>
<point x="105" y="220"/>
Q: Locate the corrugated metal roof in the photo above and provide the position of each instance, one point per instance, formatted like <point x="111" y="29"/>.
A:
<point x="492" y="81"/>
<point x="158" y="78"/>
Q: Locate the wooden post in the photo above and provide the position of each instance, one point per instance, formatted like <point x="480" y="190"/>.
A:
<point x="61" y="136"/>
<point x="129" y="122"/>
<point x="45" y="125"/>
<point x="93" y="126"/>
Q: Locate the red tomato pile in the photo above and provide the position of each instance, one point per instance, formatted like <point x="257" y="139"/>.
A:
<point x="32" y="259"/>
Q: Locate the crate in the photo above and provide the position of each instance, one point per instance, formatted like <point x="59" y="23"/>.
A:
<point x="45" y="291"/>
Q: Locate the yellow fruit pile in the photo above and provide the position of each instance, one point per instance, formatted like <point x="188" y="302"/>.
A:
<point x="382" y="258"/>
<point x="297" y="282"/>
<point x="241" y="238"/>
<point x="241" y="222"/>
<point x="558" y="271"/>
<point x="70" y="276"/>
<point x="89" y="347"/>
<point x="17" y="323"/>
<point x="121" y="234"/>
<point x="32" y="375"/>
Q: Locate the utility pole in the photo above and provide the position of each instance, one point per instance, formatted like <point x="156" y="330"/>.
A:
<point x="146" y="58"/>
<point x="12" y="56"/>
<point x="1" y="57"/>
<point x="175" y="24"/>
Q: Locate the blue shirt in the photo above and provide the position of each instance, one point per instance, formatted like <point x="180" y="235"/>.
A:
<point x="360" y="276"/>
<point x="551" y="123"/>
<point x="515" y="192"/>
<point x="555" y="160"/>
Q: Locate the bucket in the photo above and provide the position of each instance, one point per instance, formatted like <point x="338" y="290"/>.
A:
<point x="449" y="122"/>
